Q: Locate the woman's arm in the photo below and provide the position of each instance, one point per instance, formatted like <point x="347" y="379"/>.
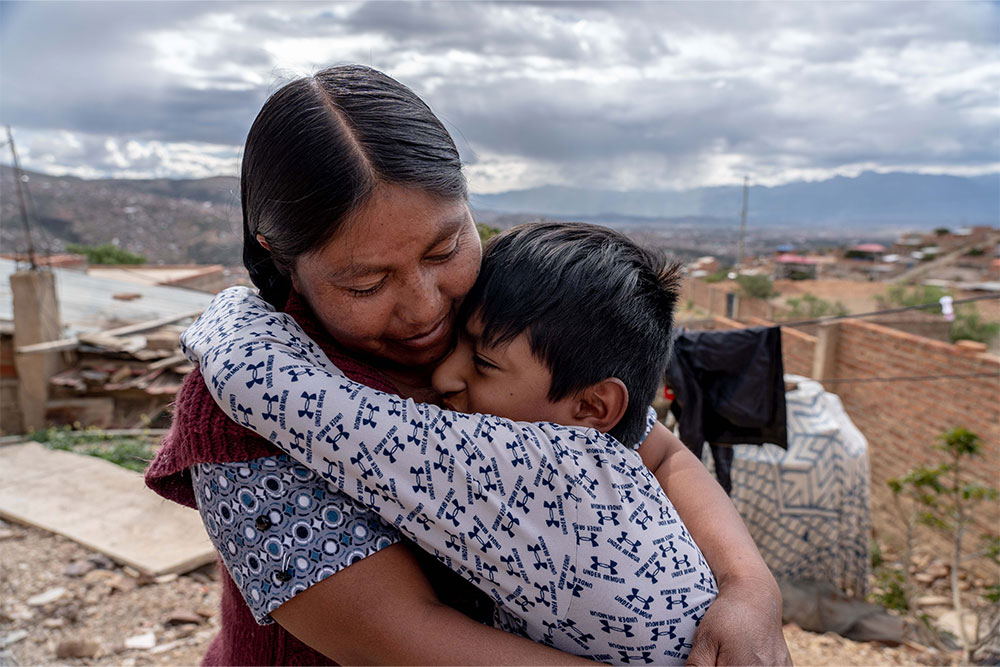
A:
<point x="743" y="625"/>
<point x="381" y="610"/>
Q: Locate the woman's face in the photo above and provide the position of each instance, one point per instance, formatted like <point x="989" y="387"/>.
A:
<point x="390" y="282"/>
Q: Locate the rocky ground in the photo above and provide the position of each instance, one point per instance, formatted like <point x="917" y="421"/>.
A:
<point x="63" y="604"/>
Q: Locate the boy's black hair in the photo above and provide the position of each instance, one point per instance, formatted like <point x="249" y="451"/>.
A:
<point x="593" y="303"/>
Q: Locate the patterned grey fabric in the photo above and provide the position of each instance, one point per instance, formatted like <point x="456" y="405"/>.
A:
<point x="808" y="508"/>
<point x="280" y="528"/>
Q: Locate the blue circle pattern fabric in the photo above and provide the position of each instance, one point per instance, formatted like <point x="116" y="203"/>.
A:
<point x="280" y="529"/>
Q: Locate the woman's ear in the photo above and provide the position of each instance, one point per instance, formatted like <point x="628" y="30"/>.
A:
<point x="602" y="405"/>
<point x="263" y="242"/>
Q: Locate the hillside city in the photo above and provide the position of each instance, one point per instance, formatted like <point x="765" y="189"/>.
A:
<point x="900" y="324"/>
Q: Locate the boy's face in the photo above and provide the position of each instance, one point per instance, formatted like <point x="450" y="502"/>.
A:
<point x="504" y="380"/>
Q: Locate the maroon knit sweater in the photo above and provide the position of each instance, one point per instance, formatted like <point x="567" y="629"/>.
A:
<point x="203" y="433"/>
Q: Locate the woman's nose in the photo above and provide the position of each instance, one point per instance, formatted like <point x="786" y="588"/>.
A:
<point x="448" y="377"/>
<point x="423" y="303"/>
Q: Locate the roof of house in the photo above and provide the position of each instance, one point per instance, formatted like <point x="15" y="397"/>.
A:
<point x="869" y="247"/>
<point x="87" y="303"/>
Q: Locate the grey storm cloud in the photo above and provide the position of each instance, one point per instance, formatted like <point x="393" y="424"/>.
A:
<point x="653" y="94"/>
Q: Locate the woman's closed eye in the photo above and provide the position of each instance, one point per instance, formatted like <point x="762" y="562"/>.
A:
<point x="450" y="252"/>
<point x="367" y="290"/>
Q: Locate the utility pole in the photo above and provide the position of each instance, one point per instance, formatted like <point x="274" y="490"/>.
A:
<point x="20" y="197"/>
<point x="743" y="222"/>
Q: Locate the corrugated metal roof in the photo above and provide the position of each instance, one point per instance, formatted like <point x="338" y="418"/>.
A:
<point x="86" y="303"/>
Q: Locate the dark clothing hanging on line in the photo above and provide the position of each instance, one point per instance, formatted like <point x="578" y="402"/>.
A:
<point x="729" y="388"/>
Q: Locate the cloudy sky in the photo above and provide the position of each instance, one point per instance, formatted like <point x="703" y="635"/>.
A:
<point x="612" y="95"/>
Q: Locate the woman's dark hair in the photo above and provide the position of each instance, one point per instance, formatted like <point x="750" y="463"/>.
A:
<point x="317" y="150"/>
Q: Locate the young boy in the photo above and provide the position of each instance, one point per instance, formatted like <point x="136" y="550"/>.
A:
<point x="558" y="522"/>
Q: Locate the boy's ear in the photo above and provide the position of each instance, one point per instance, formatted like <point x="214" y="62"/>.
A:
<point x="602" y="405"/>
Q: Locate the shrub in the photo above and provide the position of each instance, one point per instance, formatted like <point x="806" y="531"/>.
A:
<point x="106" y="253"/>
<point x="720" y="275"/>
<point x="968" y="326"/>
<point x="486" y="232"/>
<point x="810" y="306"/>
<point x="757" y="287"/>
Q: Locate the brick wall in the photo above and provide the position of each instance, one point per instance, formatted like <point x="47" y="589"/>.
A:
<point x="10" y="408"/>
<point x="902" y="419"/>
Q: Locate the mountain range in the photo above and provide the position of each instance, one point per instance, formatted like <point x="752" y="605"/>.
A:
<point x="917" y="200"/>
<point x="177" y="221"/>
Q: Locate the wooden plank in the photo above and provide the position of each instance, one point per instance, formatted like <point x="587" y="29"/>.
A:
<point x="51" y="346"/>
<point x="101" y="506"/>
<point x="71" y="343"/>
<point x="152" y="324"/>
<point x="168" y="362"/>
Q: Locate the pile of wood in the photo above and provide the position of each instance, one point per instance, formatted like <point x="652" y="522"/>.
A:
<point x="118" y="378"/>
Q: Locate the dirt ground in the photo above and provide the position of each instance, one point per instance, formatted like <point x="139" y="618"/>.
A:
<point x="102" y="610"/>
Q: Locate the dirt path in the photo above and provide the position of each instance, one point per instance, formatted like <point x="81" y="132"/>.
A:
<point x="100" y="609"/>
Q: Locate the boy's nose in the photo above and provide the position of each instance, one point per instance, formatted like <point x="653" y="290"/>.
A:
<point x="448" y="377"/>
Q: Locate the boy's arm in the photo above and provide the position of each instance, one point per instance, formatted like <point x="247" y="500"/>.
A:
<point x="743" y="625"/>
<point x="416" y="465"/>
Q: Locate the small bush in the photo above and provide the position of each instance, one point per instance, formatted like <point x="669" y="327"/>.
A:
<point x="486" y="232"/>
<point x="106" y="253"/>
<point x="915" y="295"/>
<point x="757" y="287"/>
<point x="968" y="326"/>
<point x="718" y="276"/>
<point x="810" y="306"/>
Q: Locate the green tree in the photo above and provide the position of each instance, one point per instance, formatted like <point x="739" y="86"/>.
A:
<point x="968" y="326"/>
<point x="756" y="287"/>
<point x="912" y="295"/>
<point x="809" y="306"/>
<point x="106" y="253"/>
<point x="718" y="275"/>
<point x="486" y="232"/>
<point x="939" y="497"/>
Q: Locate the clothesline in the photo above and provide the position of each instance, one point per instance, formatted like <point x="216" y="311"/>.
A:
<point x="886" y="311"/>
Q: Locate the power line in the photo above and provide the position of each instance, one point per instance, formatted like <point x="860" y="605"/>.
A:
<point x="886" y="311"/>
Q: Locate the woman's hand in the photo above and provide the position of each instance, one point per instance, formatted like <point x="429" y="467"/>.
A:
<point x="742" y="627"/>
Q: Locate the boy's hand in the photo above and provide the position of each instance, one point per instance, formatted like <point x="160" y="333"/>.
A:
<point x="742" y="627"/>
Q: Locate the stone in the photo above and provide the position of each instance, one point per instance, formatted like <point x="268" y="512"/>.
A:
<point x="183" y="617"/>
<point x="95" y="576"/>
<point x="932" y="601"/>
<point x="166" y="578"/>
<point x="54" y="622"/>
<point x="78" y="568"/>
<point x="938" y="570"/>
<point x="6" y="534"/>
<point x="144" y="642"/>
<point x="13" y="638"/>
<point x="48" y="596"/>
<point x="949" y="622"/>
<point x="77" y="648"/>
<point x="205" y="612"/>
<point x="102" y="562"/>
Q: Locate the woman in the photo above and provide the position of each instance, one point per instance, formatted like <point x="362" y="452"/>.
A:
<point x="356" y="223"/>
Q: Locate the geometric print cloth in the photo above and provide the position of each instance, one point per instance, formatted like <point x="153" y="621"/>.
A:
<point x="563" y="527"/>
<point x="280" y="529"/>
<point x="808" y="508"/>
